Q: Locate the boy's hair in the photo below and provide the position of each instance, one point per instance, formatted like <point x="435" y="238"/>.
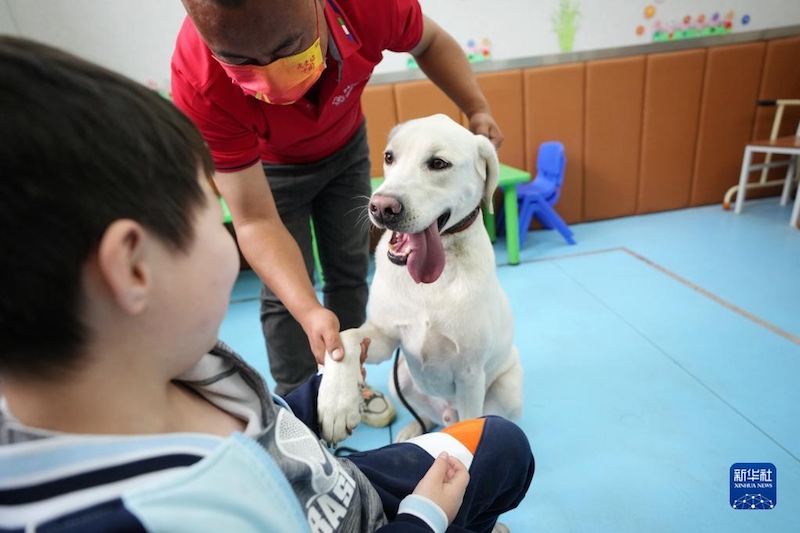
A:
<point x="81" y="147"/>
<point x="222" y="3"/>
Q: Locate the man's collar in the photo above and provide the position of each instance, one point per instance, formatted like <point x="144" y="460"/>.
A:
<point x="346" y="41"/>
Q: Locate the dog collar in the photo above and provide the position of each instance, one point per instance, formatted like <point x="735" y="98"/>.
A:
<point x="464" y="223"/>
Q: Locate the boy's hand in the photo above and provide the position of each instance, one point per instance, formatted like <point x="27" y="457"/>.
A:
<point x="322" y="328"/>
<point x="445" y="484"/>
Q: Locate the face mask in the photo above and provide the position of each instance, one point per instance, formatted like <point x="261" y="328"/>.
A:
<point x="285" y="80"/>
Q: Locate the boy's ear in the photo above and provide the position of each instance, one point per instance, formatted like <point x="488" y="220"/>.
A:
<point x="121" y="261"/>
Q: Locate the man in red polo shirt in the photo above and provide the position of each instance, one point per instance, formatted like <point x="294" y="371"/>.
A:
<point x="275" y="88"/>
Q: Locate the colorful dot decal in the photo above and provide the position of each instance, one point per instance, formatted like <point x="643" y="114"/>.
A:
<point x="686" y="25"/>
<point x="475" y="53"/>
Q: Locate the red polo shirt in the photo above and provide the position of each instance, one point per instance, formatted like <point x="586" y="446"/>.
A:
<point x="242" y="130"/>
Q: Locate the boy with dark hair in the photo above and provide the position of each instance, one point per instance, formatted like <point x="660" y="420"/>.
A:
<point x="118" y="408"/>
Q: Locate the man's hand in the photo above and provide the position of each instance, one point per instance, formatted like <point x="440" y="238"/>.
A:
<point x="441" y="58"/>
<point x="484" y="124"/>
<point x="322" y="328"/>
<point x="445" y="484"/>
<point x="364" y="348"/>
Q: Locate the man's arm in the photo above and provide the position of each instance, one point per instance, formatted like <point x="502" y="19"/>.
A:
<point x="272" y="252"/>
<point x="444" y="62"/>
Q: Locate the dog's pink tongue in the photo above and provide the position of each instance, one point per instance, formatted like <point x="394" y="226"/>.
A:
<point x="426" y="259"/>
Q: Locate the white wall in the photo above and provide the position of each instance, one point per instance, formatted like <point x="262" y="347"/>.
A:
<point x="7" y="25"/>
<point x="136" y="37"/>
<point x="523" y="28"/>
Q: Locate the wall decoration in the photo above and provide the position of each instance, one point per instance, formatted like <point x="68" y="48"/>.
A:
<point x="475" y="52"/>
<point x="565" y="23"/>
<point x="663" y="27"/>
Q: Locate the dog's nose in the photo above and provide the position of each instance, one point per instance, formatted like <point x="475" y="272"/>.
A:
<point x="385" y="209"/>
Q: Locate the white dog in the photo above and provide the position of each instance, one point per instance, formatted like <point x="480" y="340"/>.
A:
<point x="435" y="292"/>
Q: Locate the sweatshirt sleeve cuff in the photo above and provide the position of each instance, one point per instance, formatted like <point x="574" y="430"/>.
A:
<point x="426" y="510"/>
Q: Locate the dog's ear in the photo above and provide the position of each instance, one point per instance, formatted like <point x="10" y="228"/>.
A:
<point x="488" y="167"/>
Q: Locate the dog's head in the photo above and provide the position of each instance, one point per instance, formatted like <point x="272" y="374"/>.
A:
<point x="436" y="175"/>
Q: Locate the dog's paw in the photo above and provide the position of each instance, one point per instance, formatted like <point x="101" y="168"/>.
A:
<point x="338" y="402"/>
<point x="409" y="432"/>
<point x="338" y="414"/>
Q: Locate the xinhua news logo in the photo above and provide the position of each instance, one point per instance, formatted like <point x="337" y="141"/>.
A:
<point x="754" y="486"/>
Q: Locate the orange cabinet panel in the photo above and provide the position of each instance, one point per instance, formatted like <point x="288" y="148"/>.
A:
<point x="780" y="80"/>
<point x="673" y="87"/>
<point x="554" y="111"/>
<point x="417" y="99"/>
<point x="614" y="95"/>
<point x="727" y="111"/>
<point x="381" y="112"/>
<point x="503" y="90"/>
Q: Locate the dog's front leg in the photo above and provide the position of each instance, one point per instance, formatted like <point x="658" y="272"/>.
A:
<point x="339" y="399"/>
<point x="470" y="394"/>
<point x="381" y="345"/>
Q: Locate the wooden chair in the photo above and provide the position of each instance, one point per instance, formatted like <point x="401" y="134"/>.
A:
<point x="788" y="145"/>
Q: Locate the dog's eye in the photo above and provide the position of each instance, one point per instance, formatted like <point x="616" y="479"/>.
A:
<point x="438" y="164"/>
<point x="388" y="158"/>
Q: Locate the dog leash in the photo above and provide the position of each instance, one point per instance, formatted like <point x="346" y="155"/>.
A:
<point x="400" y="394"/>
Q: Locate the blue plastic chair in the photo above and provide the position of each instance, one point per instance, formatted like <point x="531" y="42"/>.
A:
<point x="537" y="198"/>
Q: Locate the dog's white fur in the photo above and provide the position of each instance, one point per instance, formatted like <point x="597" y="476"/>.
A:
<point x="456" y="333"/>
